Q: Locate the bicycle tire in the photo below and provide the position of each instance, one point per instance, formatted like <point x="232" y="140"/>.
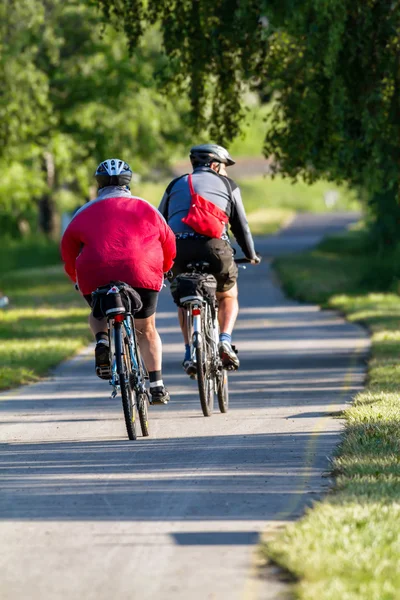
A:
<point x="143" y="410"/>
<point x="223" y="391"/>
<point x="205" y="380"/>
<point x="127" y="395"/>
<point x="142" y="398"/>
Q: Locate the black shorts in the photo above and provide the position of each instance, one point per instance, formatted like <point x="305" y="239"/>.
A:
<point x="217" y="252"/>
<point x="149" y="300"/>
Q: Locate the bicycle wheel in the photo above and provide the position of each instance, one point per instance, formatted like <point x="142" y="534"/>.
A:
<point x="124" y="375"/>
<point x="143" y="409"/>
<point x="138" y="381"/>
<point x="223" y="391"/>
<point x="205" y="377"/>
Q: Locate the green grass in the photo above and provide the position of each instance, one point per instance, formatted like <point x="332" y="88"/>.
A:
<point x="46" y="323"/>
<point x="26" y="253"/>
<point x="271" y="202"/>
<point x="347" y="547"/>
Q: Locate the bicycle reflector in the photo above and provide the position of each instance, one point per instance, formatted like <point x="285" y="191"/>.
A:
<point x="119" y="318"/>
<point x="196" y="312"/>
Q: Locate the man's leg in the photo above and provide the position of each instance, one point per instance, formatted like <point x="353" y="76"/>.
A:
<point x="183" y="325"/>
<point x="227" y="315"/>
<point x="228" y="309"/>
<point x="149" y="342"/>
<point x="151" y="349"/>
<point x="97" y="326"/>
<point x="187" y="363"/>
<point x="182" y="318"/>
<point x="102" y="350"/>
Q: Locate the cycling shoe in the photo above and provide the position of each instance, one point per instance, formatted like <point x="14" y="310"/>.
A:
<point x="159" y="395"/>
<point x="102" y="360"/>
<point x="228" y="354"/>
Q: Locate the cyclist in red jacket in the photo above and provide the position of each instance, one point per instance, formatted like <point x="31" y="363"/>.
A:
<point x="121" y="237"/>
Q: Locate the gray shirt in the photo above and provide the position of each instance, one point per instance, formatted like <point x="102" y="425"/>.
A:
<point x="220" y="190"/>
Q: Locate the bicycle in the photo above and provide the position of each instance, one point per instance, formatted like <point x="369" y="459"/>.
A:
<point x="128" y="372"/>
<point x="201" y="308"/>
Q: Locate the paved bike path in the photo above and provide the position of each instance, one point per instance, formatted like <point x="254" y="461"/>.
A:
<point x="86" y="514"/>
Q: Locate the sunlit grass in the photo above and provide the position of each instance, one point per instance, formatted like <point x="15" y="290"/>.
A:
<point x="45" y="323"/>
<point x="348" y="546"/>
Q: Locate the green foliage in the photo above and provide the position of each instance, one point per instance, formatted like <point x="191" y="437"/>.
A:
<point x="211" y="45"/>
<point x="333" y="67"/>
<point x="72" y="93"/>
<point x="24" y="106"/>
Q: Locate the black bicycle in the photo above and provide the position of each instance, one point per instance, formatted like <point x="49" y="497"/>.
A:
<point x="196" y="294"/>
<point x="128" y="373"/>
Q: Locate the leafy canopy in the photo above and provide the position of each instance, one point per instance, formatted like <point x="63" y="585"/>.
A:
<point x="333" y="67"/>
<point x="70" y="89"/>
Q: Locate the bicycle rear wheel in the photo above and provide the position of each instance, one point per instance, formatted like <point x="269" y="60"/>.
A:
<point x="124" y="374"/>
<point x="205" y="376"/>
<point x="223" y="391"/>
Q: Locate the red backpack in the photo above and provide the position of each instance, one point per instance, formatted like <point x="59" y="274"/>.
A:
<point x="205" y="217"/>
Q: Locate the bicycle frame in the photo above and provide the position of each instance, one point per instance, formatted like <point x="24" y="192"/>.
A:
<point x="126" y="323"/>
<point x="197" y="310"/>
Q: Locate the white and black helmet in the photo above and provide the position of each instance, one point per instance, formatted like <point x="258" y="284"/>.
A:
<point x="205" y="154"/>
<point x="113" y="171"/>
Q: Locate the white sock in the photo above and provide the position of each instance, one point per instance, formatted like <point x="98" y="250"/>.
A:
<point x="158" y="383"/>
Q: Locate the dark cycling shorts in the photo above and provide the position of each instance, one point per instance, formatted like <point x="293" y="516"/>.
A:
<point x="149" y="300"/>
<point x="218" y="253"/>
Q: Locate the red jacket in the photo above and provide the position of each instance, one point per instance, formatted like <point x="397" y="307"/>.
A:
<point x="117" y="236"/>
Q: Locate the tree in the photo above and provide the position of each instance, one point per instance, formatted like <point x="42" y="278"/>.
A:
<point x="334" y="68"/>
<point x="71" y="96"/>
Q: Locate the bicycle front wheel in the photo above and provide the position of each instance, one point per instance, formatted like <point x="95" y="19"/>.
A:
<point x="138" y="385"/>
<point x="143" y="409"/>
<point x="205" y="376"/>
<point x="124" y="375"/>
<point x="223" y="391"/>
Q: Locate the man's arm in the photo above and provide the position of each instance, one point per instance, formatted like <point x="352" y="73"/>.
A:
<point x="163" y="208"/>
<point x="168" y="243"/>
<point x="70" y="249"/>
<point x="164" y="204"/>
<point x="239" y="225"/>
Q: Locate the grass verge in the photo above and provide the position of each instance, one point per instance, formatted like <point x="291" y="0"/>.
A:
<point x="348" y="546"/>
<point x="45" y="323"/>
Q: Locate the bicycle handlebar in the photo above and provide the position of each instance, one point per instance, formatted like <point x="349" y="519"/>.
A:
<point x="244" y="260"/>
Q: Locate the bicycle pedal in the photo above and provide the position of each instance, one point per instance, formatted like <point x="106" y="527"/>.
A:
<point x="103" y="372"/>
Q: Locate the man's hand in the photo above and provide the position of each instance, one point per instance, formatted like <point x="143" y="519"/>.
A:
<point x="256" y="260"/>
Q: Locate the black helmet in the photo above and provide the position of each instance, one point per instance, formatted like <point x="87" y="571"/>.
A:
<point x="208" y="153"/>
<point x="113" y="171"/>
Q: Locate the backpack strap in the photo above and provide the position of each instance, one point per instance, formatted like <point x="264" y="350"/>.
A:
<point x="192" y="192"/>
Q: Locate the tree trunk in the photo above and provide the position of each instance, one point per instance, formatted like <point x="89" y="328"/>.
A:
<point x="46" y="203"/>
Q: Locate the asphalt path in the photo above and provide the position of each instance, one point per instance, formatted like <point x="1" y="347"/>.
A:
<point x="86" y="514"/>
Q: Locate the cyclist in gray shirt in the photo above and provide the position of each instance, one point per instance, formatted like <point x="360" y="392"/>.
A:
<point x="210" y="181"/>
